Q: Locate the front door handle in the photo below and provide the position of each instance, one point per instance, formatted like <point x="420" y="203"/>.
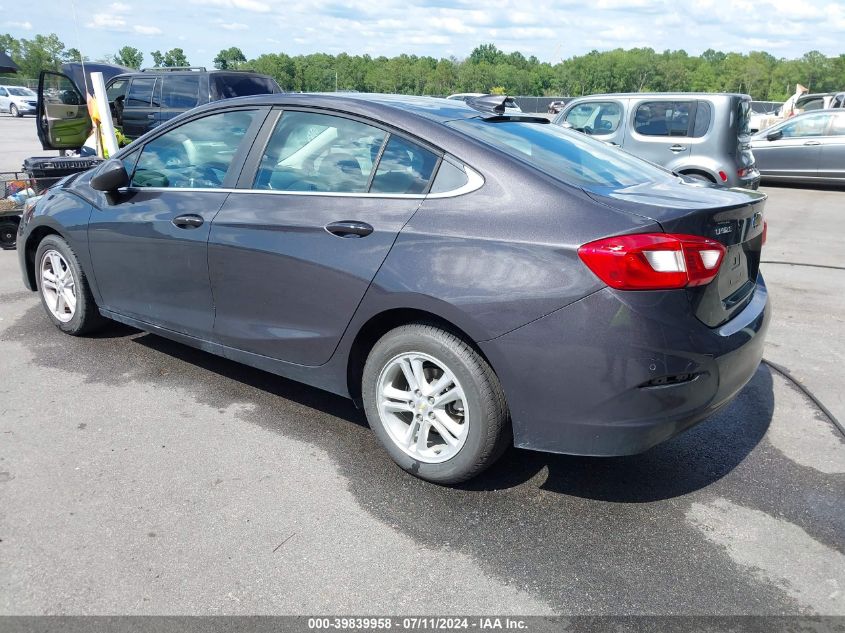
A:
<point x="151" y="115"/>
<point x="349" y="228"/>
<point x="677" y="148"/>
<point x="189" y="221"/>
<point x="813" y="143"/>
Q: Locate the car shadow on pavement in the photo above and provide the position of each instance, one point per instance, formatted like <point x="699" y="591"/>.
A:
<point x="691" y="461"/>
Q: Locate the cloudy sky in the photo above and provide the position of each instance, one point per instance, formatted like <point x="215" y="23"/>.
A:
<point x="550" y="30"/>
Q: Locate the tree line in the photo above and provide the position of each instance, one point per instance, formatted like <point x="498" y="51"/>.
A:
<point x="489" y="69"/>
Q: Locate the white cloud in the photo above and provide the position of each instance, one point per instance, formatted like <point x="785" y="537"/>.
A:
<point x="119" y="7"/>
<point x="146" y="30"/>
<point x="27" y="26"/>
<point x="234" y="26"/>
<point x="107" y="22"/>
<point x="243" y="5"/>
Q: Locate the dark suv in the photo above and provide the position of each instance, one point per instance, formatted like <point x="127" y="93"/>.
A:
<point x="139" y="100"/>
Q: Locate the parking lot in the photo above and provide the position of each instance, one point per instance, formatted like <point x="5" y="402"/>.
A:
<point x="139" y="476"/>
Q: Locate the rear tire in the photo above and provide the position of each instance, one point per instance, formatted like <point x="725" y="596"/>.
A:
<point x="63" y="288"/>
<point x="450" y="424"/>
<point x="13" y="110"/>
<point x="8" y="234"/>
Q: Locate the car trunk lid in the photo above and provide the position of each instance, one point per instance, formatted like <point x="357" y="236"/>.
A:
<point x="733" y="217"/>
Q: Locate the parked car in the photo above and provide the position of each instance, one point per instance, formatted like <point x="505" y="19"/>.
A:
<point x="17" y="100"/>
<point x="370" y="246"/>
<point x="803" y="103"/>
<point x="702" y="136"/>
<point x="139" y="100"/>
<point x="556" y="106"/>
<point x="510" y="104"/>
<point x="809" y="148"/>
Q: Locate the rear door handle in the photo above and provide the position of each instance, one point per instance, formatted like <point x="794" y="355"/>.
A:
<point x="349" y="228"/>
<point x="189" y="221"/>
<point x="677" y="148"/>
<point x="813" y="143"/>
<point x="151" y="115"/>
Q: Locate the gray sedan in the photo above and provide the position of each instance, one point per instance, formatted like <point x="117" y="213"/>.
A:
<point x="474" y="278"/>
<point x="807" y="148"/>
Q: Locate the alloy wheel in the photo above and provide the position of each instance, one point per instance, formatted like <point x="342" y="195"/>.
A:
<point x="58" y="286"/>
<point x="422" y="406"/>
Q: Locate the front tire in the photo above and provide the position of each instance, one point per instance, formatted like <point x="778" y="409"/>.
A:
<point x="64" y="289"/>
<point x="13" y="110"/>
<point x="435" y="404"/>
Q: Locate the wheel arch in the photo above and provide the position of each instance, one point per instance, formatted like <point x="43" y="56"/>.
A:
<point x="31" y="246"/>
<point x="380" y="324"/>
<point x="694" y="171"/>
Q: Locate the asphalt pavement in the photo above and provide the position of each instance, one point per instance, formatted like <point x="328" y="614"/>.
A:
<point x="139" y="476"/>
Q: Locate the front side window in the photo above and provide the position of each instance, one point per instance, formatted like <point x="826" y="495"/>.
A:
<point x="319" y="152"/>
<point x="180" y="92"/>
<point x="404" y="167"/>
<point x="662" y="118"/>
<point x="596" y="118"/>
<point x="197" y="154"/>
<point x="564" y="154"/>
<point x="814" y="125"/>
<point x="141" y="92"/>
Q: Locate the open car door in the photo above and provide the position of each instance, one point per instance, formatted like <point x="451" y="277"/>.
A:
<point x="62" y="117"/>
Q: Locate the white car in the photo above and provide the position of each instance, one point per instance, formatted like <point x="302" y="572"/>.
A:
<point x="510" y="105"/>
<point x="17" y="100"/>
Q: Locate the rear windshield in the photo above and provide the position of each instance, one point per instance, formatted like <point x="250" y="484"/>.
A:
<point x="229" y="86"/>
<point x="743" y="118"/>
<point x="564" y="154"/>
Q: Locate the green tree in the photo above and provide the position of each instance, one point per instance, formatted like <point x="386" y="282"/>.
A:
<point x="129" y="56"/>
<point x="229" y="58"/>
<point x="173" y="57"/>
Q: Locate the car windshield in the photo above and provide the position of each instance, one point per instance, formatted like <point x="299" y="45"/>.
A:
<point x="21" y="92"/>
<point x="564" y="154"/>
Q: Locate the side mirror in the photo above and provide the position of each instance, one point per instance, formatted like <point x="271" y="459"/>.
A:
<point x="110" y="176"/>
<point x="773" y="136"/>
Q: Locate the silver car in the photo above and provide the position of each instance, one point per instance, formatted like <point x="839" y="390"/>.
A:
<point x="17" y="100"/>
<point x="809" y="147"/>
<point x="703" y="136"/>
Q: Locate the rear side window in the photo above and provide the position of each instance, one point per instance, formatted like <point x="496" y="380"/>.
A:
<point x="227" y="86"/>
<point x="703" y="115"/>
<point x="596" y="118"/>
<point x="404" y="167"/>
<point x="449" y="178"/>
<point x="663" y="118"/>
<point x="141" y="92"/>
<point x="180" y="91"/>
<point x="319" y="152"/>
<point x="743" y="118"/>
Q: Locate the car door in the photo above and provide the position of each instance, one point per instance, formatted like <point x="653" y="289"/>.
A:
<point x="149" y="242"/>
<point x="292" y="255"/>
<point x="659" y="131"/>
<point x="62" y="120"/>
<point x="602" y="119"/>
<point x="792" y="150"/>
<point x="141" y="108"/>
<point x="832" y="158"/>
<point x="4" y="100"/>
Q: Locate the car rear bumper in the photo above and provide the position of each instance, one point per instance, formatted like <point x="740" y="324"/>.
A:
<point x="618" y="372"/>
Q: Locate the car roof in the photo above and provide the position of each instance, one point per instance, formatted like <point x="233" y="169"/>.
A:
<point x="430" y="108"/>
<point x="666" y="94"/>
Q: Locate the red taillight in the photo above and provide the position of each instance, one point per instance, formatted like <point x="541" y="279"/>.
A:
<point x="653" y="261"/>
<point x="723" y="176"/>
